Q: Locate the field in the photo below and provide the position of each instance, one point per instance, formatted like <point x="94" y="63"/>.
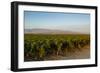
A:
<point x="43" y="47"/>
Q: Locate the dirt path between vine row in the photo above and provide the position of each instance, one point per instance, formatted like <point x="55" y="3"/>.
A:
<point x="83" y="53"/>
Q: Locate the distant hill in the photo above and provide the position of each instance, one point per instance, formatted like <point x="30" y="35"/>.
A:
<point x="48" y="31"/>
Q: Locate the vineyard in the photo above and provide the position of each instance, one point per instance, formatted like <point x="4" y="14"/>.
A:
<point x="40" y="47"/>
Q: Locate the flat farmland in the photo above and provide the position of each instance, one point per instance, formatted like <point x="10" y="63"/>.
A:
<point x="44" y="47"/>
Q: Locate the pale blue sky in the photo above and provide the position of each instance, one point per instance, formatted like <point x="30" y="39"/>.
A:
<point x="53" y="20"/>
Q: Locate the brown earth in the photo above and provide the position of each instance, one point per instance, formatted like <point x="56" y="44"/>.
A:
<point x="83" y="53"/>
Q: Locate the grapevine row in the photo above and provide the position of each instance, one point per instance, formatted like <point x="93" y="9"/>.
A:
<point x="39" y="49"/>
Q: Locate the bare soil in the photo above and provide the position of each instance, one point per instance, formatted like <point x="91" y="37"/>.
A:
<point x="83" y="53"/>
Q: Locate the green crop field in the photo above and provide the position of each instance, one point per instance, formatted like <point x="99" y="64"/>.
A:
<point x="40" y="47"/>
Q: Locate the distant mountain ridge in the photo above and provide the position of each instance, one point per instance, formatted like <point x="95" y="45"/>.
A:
<point x="48" y="31"/>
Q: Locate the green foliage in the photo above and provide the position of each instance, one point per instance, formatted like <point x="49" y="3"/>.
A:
<point x="37" y="47"/>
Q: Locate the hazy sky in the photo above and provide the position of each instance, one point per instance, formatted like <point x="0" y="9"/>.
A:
<point x="62" y="21"/>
